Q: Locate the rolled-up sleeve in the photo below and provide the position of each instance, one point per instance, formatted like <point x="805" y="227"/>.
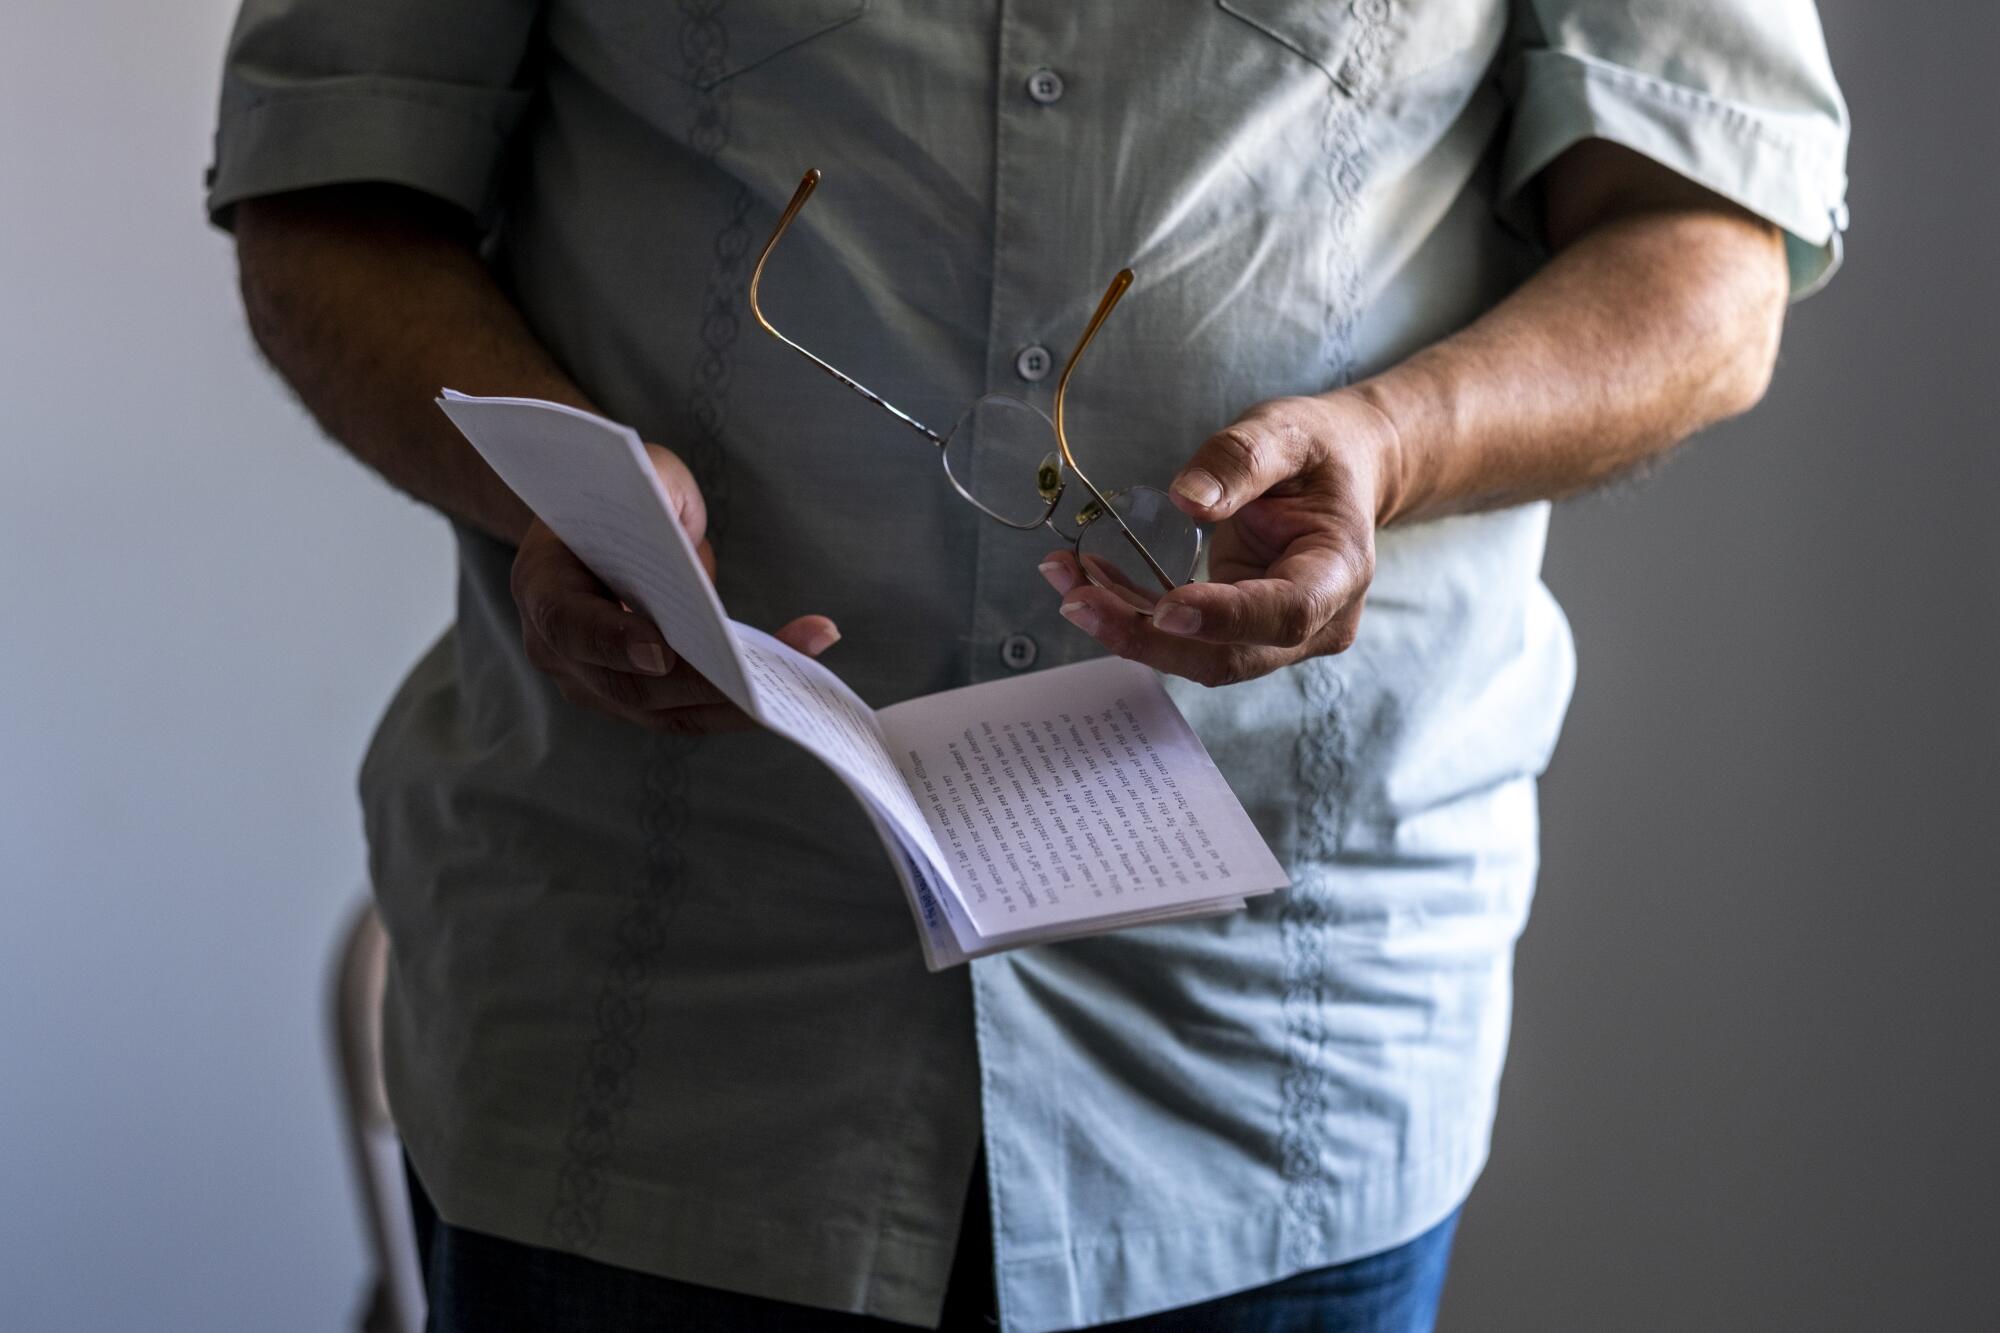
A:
<point x="420" y="93"/>
<point x="1736" y="95"/>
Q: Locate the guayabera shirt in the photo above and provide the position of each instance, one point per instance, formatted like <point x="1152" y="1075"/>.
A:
<point x="658" y="1001"/>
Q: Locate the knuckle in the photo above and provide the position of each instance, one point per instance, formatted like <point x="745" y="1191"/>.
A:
<point x="1220" y="669"/>
<point x="526" y="597"/>
<point x="1347" y="628"/>
<point x="1114" y="632"/>
<point x="528" y="575"/>
<point x="545" y="617"/>
<point x="1247" y="664"/>
<point x="1239" y="449"/>
<point x="1364" y="568"/>
<point x="1295" y="422"/>
<point x="626" y="691"/>
<point x="673" y="722"/>
<point x="1297" y="619"/>
<point x="606" y="643"/>
<point x="524" y="561"/>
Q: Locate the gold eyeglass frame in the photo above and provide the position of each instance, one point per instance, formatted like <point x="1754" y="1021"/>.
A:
<point x="1052" y="494"/>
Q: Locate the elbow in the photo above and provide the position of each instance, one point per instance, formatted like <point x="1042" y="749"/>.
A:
<point x="256" y="305"/>
<point x="1748" y="376"/>
<point x="1751" y="307"/>
<point x="259" y="254"/>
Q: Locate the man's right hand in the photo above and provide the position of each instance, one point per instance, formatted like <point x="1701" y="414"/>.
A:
<point x="606" y="657"/>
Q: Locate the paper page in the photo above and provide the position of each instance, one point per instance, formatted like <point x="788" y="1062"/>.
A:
<point x="1074" y="794"/>
<point x="590" y="480"/>
<point x="1089" y="926"/>
<point x="1102" y="812"/>
<point x="942" y="930"/>
<point x="809" y="705"/>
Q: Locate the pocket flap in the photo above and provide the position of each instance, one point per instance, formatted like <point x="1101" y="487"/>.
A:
<point x="733" y="38"/>
<point x="1320" y="32"/>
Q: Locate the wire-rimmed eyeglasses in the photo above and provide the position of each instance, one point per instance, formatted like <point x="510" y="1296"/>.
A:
<point x="1132" y="542"/>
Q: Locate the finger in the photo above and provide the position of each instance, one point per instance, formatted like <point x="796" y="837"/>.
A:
<point x="575" y="617"/>
<point x="1111" y="622"/>
<point x="1345" y="628"/>
<point x="1297" y="599"/>
<point x="1061" y="570"/>
<point x="706" y="720"/>
<point x="685" y="493"/>
<point x="1123" y="586"/>
<point x="1239" y="463"/>
<point x="591" y="629"/>
<point x="679" y="688"/>
<point x="811" y="635"/>
<point x="698" y="720"/>
<point x="540" y="656"/>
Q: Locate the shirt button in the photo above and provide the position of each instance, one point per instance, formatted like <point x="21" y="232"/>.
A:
<point x="1045" y="86"/>
<point x="1018" y="652"/>
<point x="1033" y="363"/>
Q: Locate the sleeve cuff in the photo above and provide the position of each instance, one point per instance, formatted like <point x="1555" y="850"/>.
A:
<point x="447" y="140"/>
<point x="1786" y="167"/>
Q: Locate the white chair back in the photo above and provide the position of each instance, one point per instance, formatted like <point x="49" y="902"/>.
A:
<point x="361" y="969"/>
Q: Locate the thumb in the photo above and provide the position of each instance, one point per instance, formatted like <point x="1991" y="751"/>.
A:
<point x="1234" y="466"/>
<point x="811" y="635"/>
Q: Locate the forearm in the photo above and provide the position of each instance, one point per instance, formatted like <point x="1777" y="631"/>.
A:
<point x="1659" y="314"/>
<point x="1650" y="324"/>
<point x="368" y="300"/>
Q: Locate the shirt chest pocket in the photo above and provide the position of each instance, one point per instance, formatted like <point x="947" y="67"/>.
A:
<point x="1365" y="45"/>
<point x="706" y="43"/>
<point x="748" y="33"/>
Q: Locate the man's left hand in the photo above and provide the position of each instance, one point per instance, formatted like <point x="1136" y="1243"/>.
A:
<point x="1292" y="492"/>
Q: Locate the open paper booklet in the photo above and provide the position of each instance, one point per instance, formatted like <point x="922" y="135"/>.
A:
<point x="1068" y="802"/>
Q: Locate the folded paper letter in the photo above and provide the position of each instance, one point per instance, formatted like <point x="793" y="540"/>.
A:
<point x="1021" y="811"/>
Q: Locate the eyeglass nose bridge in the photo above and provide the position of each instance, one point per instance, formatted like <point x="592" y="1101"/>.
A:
<point x="1047" y="520"/>
<point x="1070" y="528"/>
<point x="1052" y="483"/>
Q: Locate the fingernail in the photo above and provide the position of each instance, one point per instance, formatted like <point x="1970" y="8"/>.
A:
<point x="822" y="641"/>
<point x="1197" y="486"/>
<point x="1082" y="615"/>
<point x="648" y="659"/>
<point x="1057" y="574"/>
<point x="1177" y="618"/>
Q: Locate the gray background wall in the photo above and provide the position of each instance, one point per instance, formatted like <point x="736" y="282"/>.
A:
<point x="1750" y="1077"/>
<point x="202" y="610"/>
<point x="1755" y="1049"/>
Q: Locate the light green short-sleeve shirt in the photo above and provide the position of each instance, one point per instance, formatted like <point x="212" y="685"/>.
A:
<point x="659" y="1001"/>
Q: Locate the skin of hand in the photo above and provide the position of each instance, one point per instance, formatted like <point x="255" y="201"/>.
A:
<point x="604" y="656"/>
<point x="366" y="298"/>
<point x="1293" y="490"/>
<point x="1659" y="315"/>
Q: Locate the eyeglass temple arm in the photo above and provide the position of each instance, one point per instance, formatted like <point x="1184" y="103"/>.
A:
<point x="1112" y="295"/>
<point x="799" y="197"/>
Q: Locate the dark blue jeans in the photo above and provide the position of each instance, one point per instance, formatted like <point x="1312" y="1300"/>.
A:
<point x="480" y="1284"/>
